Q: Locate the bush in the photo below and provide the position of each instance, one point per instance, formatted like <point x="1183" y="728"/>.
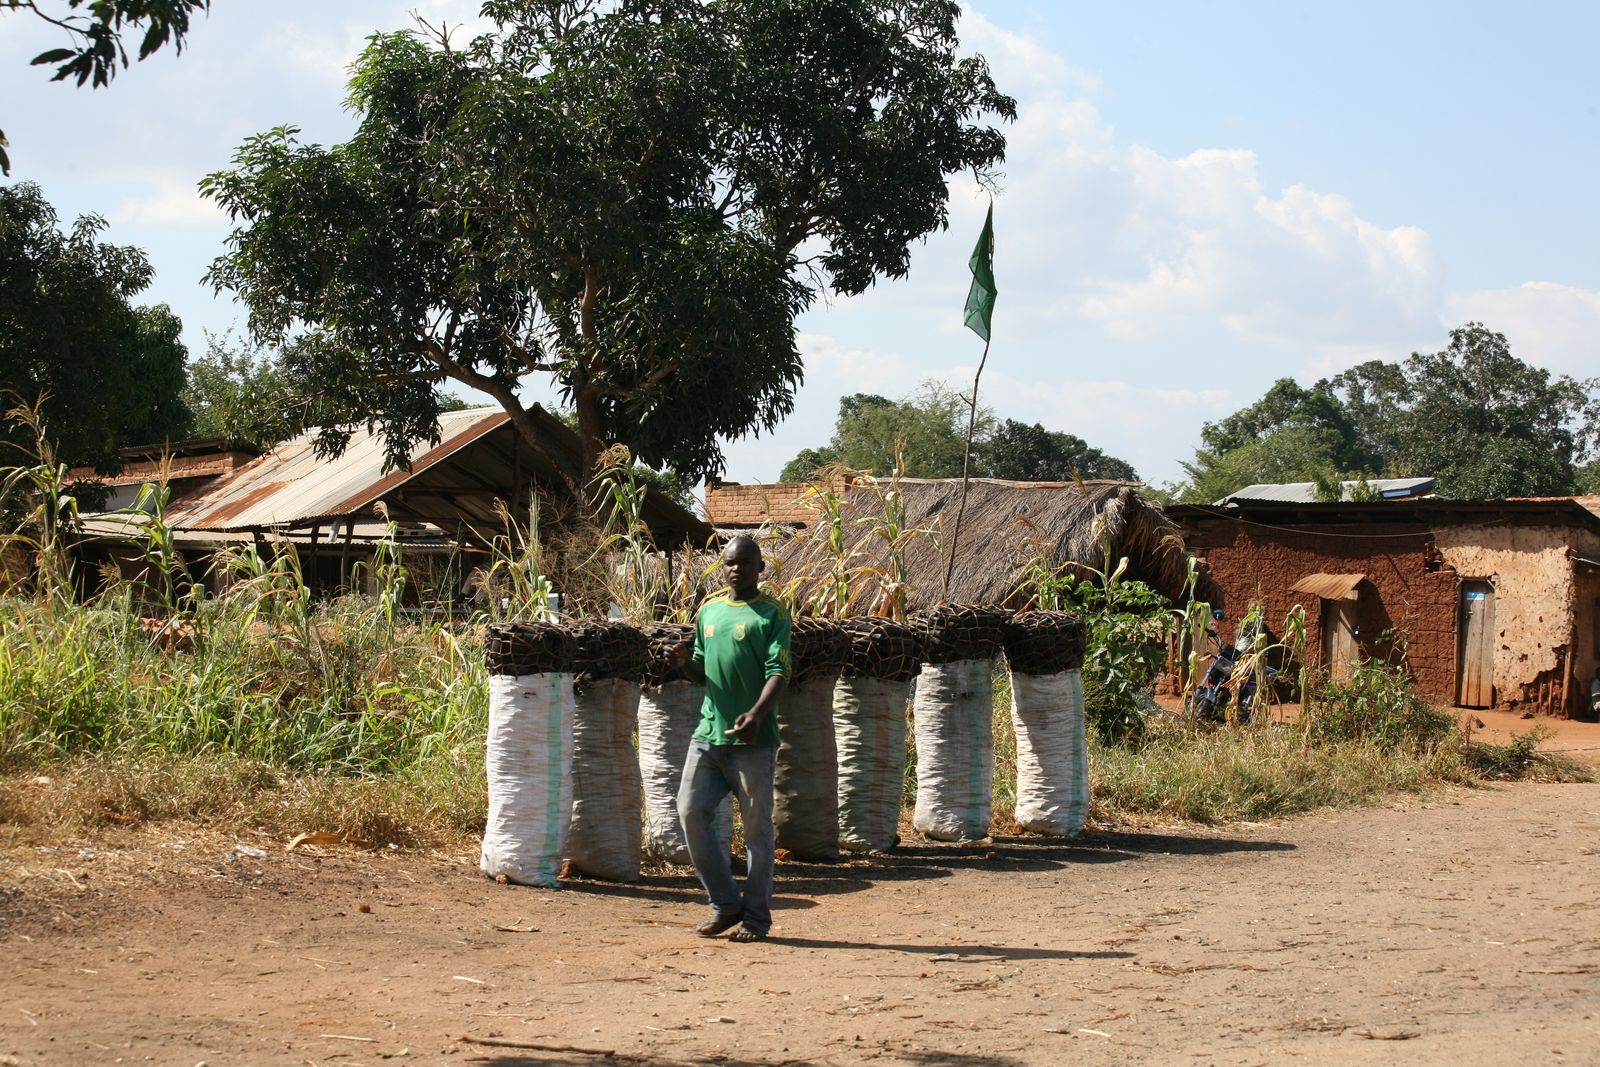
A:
<point x="1378" y="705"/>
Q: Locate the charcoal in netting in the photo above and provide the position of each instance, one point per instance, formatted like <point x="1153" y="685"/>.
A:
<point x="819" y="648"/>
<point x="608" y="650"/>
<point x="663" y="642"/>
<point x="883" y="648"/>
<point x="958" y="632"/>
<point x="1044" y="642"/>
<point x="521" y="648"/>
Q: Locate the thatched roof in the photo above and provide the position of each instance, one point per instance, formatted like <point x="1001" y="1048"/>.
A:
<point x="1007" y="524"/>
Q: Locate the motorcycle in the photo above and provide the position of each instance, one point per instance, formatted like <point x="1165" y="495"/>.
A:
<point x="1212" y="695"/>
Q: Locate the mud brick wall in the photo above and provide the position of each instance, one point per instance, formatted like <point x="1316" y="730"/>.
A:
<point x="1409" y="588"/>
<point x="756" y="505"/>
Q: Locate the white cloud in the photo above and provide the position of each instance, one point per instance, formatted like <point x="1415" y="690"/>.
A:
<point x="1141" y="242"/>
<point x="171" y="203"/>
<point x="1548" y="324"/>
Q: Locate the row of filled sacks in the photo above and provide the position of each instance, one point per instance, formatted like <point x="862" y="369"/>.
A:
<point x="841" y="761"/>
<point x="566" y="784"/>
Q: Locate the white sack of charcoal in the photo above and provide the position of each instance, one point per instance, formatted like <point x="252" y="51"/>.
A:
<point x="869" y="727"/>
<point x="1044" y="651"/>
<point x="605" y="837"/>
<point x="953" y="718"/>
<point x="528" y="752"/>
<point x="805" y="811"/>
<point x="952" y="715"/>
<point x="668" y="715"/>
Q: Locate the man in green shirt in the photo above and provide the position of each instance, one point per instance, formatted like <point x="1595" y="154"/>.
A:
<point x="741" y="652"/>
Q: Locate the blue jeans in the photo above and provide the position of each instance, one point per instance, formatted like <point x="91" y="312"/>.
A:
<point x="710" y="773"/>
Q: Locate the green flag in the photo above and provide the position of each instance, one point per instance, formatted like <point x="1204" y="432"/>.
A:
<point x="980" y="298"/>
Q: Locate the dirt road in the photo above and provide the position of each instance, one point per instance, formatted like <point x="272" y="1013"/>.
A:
<point x="1463" y="928"/>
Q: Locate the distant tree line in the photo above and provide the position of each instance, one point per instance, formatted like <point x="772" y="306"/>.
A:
<point x="1474" y="416"/>
<point x="924" y="435"/>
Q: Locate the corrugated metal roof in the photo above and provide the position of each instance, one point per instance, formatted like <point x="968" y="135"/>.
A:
<point x="1328" y="586"/>
<point x="292" y="486"/>
<point x="1306" y="492"/>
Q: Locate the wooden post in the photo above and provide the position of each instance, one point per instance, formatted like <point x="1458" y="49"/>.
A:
<point x="311" y="580"/>
<point x="344" y="555"/>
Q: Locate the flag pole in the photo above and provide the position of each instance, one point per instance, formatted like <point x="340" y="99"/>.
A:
<point x="979" y="310"/>
<point x="966" y="466"/>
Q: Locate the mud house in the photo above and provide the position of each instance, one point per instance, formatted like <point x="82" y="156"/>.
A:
<point x="1007" y="528"/>
<point x="335" y="509"/>
<point x="1491" y="604"/>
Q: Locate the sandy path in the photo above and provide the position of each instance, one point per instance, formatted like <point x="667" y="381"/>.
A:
<point x="1464" y="928"/>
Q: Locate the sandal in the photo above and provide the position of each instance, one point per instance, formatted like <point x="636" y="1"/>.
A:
<point x="746" y="936"/>
<point x="720" y="925"/>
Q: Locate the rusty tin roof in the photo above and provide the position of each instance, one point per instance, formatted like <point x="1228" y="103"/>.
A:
<point x="292" y="486"/>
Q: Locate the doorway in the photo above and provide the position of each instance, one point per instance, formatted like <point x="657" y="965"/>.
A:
<point x="1475" y="670"/>
<point x="1339" y="632"/>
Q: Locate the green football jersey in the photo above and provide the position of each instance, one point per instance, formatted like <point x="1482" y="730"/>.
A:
<point x="739" y="644"/>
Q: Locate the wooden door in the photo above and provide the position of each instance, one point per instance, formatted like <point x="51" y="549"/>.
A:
<point x="1339" y="648"/>
<point x="1475" y="670"/>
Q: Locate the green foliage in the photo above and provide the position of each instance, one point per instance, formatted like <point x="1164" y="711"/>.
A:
<point x="1127" y="625"/>
<point x="1586" y="479"/>
<point x="97" y="49"/>
<point x="1480" y="420"/>
<point x="110" y="372"/>
<point x="239" y="391"/>
<point x="1286" y="454"/>
<point x="614" y="195"/>
<point x="265" y="676"/>
<point x="804" y="466"/>
<point x="1019" y="452"/>
<point x="1227" y="775"/>
<point x="1378" y="705"/>
<point x="926" y="432"/>
<point x="928" y="429"/>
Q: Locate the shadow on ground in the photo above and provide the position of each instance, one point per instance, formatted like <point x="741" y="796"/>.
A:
<point x="917" y="862"/>
<point x="553" y="1056"/>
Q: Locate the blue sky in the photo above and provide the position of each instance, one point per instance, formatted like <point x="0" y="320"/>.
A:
<point x="1198" y="198"/>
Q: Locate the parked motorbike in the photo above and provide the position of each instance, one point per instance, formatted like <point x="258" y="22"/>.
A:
<point x="1212" y="696"/>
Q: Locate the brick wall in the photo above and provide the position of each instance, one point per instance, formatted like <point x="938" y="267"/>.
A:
<point x="1408" y="588"/>
<point x="731" y="504"/>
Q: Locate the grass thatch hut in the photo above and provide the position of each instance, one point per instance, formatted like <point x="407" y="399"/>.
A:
<point x="1006" y="526"/>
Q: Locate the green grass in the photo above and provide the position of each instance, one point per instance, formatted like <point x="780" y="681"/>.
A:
<point x="285" y="718"/>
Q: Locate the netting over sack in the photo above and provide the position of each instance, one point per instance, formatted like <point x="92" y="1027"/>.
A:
<point x="668" y="715"/>
<point x="953" y="715"/>
<point x="604" y="836"/>
<point x="663" y="642"/>
<point x="957" y="632"/>
<point x="1044" y="642"/>
<point x="608" y="650"/>
<point x="869" y="729"/>
<point x="528" y="760"/>
<point x="1052" y="752"/>
<point x="883" y="648"/>
<point x="819" y="648"/>
<point x="520" y="648"/>
<point x="805" y="809"/>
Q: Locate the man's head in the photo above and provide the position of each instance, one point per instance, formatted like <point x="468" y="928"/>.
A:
<point x="741" y="560"/>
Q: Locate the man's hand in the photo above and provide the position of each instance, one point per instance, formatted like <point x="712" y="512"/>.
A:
<point x="683" y="662"/>
<point x="746" y="725"/>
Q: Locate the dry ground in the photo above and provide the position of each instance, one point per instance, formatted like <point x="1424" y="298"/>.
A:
<point x="1460" y="928"/>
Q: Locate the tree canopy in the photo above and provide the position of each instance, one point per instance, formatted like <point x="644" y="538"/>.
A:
<point x="926" y="434"/>
<point x="634" y="198"/>
<point x="97" y="49"/>
<point x="111" y="372"/>
<point x="1474" y="416"/>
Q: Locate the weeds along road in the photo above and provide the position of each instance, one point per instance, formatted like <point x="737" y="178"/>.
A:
<point x="1460" y="928"/>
